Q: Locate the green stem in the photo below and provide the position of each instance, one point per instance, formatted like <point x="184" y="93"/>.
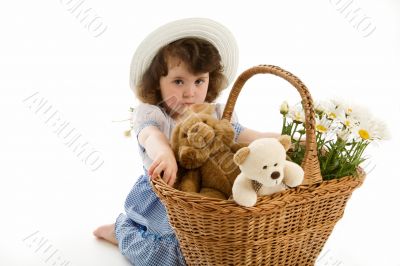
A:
<point x="284" y="125"/>
<point x="294" y="131"/>
<point x="298" y="142"/>
<point x="332" y="153"/>
<point x="356" y="151"/>
<point x="363" y="146"/>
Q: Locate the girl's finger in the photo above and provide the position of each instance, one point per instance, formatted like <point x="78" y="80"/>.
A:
<point x="165" y="176"/>
<point x="172" y="180"/>
<point x="152" y="167"/>
<point x="157" y="171"/>
<point x="170" y="177"/>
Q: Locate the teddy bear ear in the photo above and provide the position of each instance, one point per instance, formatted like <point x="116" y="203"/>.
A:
<point x="202" y="108"/>
<point x="241" y="155"/>
<point x="285" y="141"/>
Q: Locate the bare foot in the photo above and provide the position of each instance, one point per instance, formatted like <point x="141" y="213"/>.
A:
<point x="106" y="232"/>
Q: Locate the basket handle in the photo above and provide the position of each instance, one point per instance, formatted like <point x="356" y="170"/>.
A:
<point x="310" y="162"/>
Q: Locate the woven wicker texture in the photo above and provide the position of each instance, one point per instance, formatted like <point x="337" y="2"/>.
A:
<point x="288" y="228"/>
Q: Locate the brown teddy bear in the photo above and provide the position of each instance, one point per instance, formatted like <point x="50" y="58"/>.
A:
<point x="204" y="148"/>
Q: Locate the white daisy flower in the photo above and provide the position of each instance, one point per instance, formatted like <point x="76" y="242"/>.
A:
<point x="348" y="121"/>
<point x="348" y="109"/>
<point x="344" y="135"/>
<point x="335" y="113"/>
<point x="330" y="108"/>
<point x="382" y="130"/>
<point x="359" y="113"/>
<point x="322" y="125"/>
<point x="321" y="107"/>
<point x="296" y="113"/>
<point x="343" y="105"/>
<point x="372" y="129"/>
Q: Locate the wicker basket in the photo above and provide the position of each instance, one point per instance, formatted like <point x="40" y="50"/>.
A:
<point x="288" y="228"/>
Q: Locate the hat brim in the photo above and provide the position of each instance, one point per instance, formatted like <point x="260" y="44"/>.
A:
<point x="203" y="28"/>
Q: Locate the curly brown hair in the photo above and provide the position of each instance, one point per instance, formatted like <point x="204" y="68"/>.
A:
<point x="198" y="54"/>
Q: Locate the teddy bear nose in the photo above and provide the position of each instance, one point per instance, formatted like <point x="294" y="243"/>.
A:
<point x="275" y="175"/>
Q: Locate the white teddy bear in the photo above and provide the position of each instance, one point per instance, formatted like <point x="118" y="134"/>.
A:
<point x="264" y="170"/>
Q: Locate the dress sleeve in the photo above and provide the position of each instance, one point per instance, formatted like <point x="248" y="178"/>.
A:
<point x="219" y="108"/>
<point x="148" y="115"/>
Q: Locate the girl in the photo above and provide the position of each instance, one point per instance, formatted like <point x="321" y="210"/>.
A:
<point x="182" y="63"/>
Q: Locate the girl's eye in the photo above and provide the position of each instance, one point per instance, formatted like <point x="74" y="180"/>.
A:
<point x="264" y="167"/>
<point x="178" y="82"/>
<point x="199" y="82"/>
<point x="275" y="164"/>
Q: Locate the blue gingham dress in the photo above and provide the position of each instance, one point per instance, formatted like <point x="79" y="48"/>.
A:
<point x="144" y="234"/>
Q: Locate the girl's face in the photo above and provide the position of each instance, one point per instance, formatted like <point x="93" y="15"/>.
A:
<point x="181" y="88"/>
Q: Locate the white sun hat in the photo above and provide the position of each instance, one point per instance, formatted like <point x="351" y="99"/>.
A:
<point x="203" y="28"/>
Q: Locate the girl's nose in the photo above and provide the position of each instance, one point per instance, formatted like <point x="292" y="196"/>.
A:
<point x="189" y="91"/>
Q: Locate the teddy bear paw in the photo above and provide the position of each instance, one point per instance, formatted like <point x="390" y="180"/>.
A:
<point x="246" y="201"/>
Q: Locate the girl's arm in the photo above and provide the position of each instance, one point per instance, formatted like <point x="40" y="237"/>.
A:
<point x="159" y="150"/>
<point x="248" y="135"/>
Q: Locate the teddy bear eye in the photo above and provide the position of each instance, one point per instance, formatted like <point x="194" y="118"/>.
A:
<point x="264" y="167"/>
<point x="184" y="135"/>
<point x="275" y="164"/>
<point x="195" y="129"/>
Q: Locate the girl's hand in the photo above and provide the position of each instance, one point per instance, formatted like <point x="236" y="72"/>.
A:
<point x="164" y="162"/>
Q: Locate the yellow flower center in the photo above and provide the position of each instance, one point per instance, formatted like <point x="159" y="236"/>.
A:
<point x="332" y="115"/>
<point x="347" y="123"/>
<point x="364" y="134"/>
<point x="321" y="128"/>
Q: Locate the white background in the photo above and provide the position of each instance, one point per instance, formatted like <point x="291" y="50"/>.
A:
<point x="47" y="191"/>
